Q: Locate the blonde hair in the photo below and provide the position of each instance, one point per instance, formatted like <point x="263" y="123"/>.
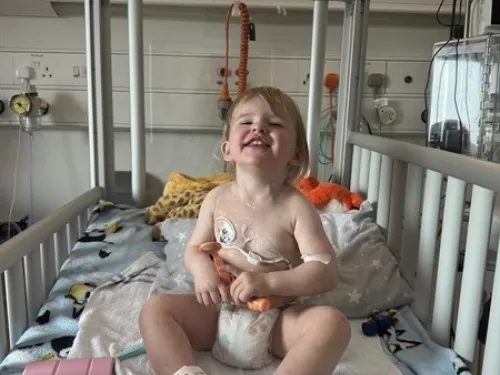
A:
<point x="282" y="104"/>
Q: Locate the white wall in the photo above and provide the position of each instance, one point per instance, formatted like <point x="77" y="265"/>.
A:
<point x="183" y="52"/>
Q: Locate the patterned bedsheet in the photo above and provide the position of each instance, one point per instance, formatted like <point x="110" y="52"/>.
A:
<point x="116" y="236"/>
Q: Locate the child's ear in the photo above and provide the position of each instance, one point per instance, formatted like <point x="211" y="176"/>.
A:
<point x="224" y="148"/>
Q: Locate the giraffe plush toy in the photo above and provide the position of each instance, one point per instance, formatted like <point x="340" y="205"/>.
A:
<point x="182" y="198"/>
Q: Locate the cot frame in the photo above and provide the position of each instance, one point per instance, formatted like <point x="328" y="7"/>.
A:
<point x="404" y="182"/>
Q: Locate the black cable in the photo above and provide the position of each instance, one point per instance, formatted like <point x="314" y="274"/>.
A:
<point x="439" y="19"/>
<point x="452" y="26"/>
<point x="426" y="99"/>
<point x="460" y="124"/>
<point x="365" y="121"/>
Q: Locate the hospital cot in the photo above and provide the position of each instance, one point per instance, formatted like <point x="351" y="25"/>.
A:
<point x="402" y="182"/>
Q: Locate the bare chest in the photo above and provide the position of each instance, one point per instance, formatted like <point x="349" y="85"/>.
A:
<point x="262" y="237"/>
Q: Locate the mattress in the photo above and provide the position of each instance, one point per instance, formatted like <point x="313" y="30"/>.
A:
<point x="111" y="273"/>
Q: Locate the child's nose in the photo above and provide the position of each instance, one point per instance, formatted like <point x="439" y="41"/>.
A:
<point x="259" y="127"/>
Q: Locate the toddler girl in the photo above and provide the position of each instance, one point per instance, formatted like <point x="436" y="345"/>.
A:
<point x="272" y="241"/>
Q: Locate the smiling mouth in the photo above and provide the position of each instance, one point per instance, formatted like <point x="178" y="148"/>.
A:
<point x="256" y="142"/>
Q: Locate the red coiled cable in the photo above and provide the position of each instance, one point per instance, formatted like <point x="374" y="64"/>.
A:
<point x="242" y="70"/>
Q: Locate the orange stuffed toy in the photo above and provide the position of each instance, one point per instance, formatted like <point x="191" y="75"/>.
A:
<point x="325" y="195"/>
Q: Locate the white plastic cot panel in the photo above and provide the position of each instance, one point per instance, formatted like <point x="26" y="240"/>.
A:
<point x="333" y="66"/>
<point x="405" y="77"/>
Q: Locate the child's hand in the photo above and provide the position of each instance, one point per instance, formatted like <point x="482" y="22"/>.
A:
<point x="209" y="288"/>
<point x="247" y="285"/>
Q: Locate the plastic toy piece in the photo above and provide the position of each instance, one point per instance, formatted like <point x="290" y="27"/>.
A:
<point x="84" y="366"/>
<point x="212" y="249"/>
<point x="379" y="322"/>
<point x="131" y="352"/>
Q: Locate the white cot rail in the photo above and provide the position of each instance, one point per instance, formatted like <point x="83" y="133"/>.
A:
<point x="30" y="262"/>
<point x="405" y="182"/>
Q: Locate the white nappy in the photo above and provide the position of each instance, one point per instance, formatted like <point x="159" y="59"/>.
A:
<point x="243" y="337"/>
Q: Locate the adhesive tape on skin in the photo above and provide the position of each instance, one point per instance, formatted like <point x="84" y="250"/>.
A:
<point x="322" y="258"/>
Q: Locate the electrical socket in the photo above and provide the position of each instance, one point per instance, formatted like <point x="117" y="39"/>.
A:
<point x="45" y="73"/>
<point x="44" y="67"/>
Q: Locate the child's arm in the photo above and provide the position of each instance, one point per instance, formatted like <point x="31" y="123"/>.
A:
<point x="194" y="260"/>
<point x="318" y="273"/>
<point x="209" y="288"/>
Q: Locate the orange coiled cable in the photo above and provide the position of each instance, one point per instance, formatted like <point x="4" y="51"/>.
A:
<point x="243" y="63"/>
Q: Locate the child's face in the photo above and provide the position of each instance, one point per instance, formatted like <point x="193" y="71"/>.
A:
<point x="260" y="137"/>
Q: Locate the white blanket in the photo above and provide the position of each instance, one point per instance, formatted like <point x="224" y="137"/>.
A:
<point x="109" y="324"/>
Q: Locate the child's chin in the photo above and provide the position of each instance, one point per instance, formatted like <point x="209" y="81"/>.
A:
<point x="257" y="160"/>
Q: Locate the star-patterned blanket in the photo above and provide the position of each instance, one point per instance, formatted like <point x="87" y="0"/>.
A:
<point x="414" y="351"/>
<point x="116" y="237"/>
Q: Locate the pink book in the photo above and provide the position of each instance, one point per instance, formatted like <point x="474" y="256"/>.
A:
<point x="83" y="366"/>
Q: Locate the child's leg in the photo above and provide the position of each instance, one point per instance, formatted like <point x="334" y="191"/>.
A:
<point x="172" y="326"/>
<point x="310" y="339"/>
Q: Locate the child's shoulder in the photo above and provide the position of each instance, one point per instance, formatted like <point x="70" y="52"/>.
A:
<point x="218" y="192"/>
<point x="222" y="189"/>
<point x="298" y="202"/>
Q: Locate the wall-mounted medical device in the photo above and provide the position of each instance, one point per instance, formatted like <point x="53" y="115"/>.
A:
<point x="482" y="16"/>
<point x="26" y="104"/>
<point x="464" y="103"/>
<point x="449" y="135"/>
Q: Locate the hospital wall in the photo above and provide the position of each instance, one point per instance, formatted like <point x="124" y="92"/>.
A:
<point x="182" y="53"/>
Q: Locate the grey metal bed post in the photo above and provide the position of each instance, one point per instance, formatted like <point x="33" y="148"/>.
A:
<point x="351" y="74"/>
<point x="137" y="133"/>
<point x="101" y="134"/>
<point x="90" y="56"/>
<point x="317" y="67"/>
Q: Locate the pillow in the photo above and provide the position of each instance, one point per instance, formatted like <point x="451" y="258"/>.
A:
<point x="177" y="232"/>
<point x="369" y="277"/>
